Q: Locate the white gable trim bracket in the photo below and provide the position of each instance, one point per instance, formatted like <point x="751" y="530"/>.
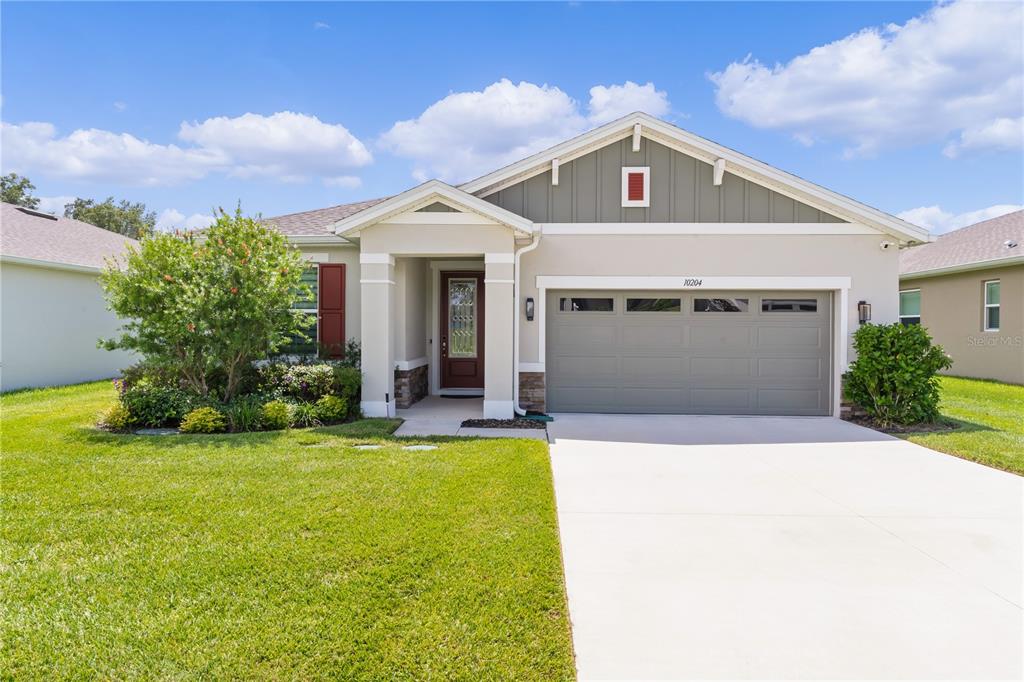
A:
<point x="707" y="151"/>
<point x="426" y="194"/>
<point x="637" y="131"/>
<point x="719" y="171"/>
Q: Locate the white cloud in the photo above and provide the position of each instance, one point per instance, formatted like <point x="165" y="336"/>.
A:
<point x="610" y="102"/>
<point x="348" y="181"/>
<point x="952" y="70"/>
<point x="172" y="219"/>
<point x="320" y="25"/>
<point x="54" y="205"/>
<point x="120" y="106"/>
<point x="470" y="133"/>
<point x="939" y="221"/>
<point x="285" y="146"/>
<point x="101" y="155"/>
<point x="1002" y="134"/>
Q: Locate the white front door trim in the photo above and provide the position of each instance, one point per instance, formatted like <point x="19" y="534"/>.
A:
<point x="696" y="283"/>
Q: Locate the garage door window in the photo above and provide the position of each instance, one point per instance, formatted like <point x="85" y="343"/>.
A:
<point x="721" y="305"/>
<point x="789" y="305"/>
<point x="653" y="305"/>
<point x="586" y="305"/>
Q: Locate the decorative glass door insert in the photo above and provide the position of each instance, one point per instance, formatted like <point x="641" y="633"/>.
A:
<point x="462" y="317"/>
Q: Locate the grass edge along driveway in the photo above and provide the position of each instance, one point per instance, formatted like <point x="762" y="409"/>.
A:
<point x="991" y="419"/>
<point x="272" y="555"/>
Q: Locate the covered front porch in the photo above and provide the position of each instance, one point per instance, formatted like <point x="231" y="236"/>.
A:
<point x="437" y="294"/>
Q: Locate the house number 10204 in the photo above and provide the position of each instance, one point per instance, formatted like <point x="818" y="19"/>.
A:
<point x="692" y="282"/>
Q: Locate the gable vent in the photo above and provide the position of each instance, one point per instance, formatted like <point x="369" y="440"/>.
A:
<point x="636" y="186"/>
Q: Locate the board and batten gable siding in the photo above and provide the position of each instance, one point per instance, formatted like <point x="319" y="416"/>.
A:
<point x="589" y="190"/>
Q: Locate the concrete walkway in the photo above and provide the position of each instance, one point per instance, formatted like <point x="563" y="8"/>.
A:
<point x="729" y="547"/>
<point x="438" y="416"/>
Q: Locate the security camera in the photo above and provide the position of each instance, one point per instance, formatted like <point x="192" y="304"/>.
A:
<point x="885" y="246"/>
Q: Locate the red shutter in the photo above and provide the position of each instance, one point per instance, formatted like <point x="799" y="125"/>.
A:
<point x="332" y="309"/>
<point x="635" y="186"/>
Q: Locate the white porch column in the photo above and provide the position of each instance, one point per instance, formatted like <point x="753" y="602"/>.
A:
<point x="377" y="295"/>
<point x="500" y="306"/>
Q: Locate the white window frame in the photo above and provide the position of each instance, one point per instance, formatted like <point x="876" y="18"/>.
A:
<point x="900" y="314"/>
<point x="986" y="305"/>
<point x="646" y="201"/>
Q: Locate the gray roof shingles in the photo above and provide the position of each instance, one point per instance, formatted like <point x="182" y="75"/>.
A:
<point x="64" y="240"/>
<point x="983" y="242"/>
<point x="317" y="223"/>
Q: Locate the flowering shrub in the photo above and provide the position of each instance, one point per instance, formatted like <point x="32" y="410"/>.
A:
<point x="308" y="382"/>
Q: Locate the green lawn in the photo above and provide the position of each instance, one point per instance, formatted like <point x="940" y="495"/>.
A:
<point x="287" y="555"/>
<point x="991" y="416"/>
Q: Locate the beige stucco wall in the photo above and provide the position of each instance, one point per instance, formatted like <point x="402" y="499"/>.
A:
<point x="51" y="320"/>
<point x="874" y="272"/>
<point x="951" y="310"/>
<point x="411" y="306"/>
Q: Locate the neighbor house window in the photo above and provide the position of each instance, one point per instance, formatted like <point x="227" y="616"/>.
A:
<point x="586" y="305"/>
<point x="789" y="305"/>
<point x="721" y="305"/>
<point x="992" y="306"/>
<point x="910" y="307"/>
<point x="653" y="305"/>
<point x="297" y="345"/>
<point x="636" y="186"/>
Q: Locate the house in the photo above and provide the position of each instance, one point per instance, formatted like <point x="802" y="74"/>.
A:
<point x="967" y="288"/>
<point x="634" y="268"/>
<point x="52" y="307"/>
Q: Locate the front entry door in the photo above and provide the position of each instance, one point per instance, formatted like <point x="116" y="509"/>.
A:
<point x="462" y="330"/>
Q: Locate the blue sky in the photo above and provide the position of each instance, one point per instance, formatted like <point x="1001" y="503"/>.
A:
<point x="180" y="105"/>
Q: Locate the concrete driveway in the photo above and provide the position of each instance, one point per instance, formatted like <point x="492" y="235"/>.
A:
<point x="732" y="547"/>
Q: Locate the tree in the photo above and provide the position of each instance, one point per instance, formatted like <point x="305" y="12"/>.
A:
<point x="131" y="220"/>
<point x="209" y="304"/>
<point x="16" y="189"/>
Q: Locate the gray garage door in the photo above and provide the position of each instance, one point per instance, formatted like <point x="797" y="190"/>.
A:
<point x="695" y="353"/>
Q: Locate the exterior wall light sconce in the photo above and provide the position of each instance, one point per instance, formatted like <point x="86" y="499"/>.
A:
<point x="529" y="310"/>
<point x="864" y="312"/>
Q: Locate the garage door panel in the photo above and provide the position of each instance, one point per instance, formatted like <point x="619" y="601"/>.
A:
<point x="789" y="337"/>
<point x="713" y="400"/>
<point x="653" y="368"/>
<point x="757" y="360"/>
<point x="789" y="400"/>
<point x="635" y="337"/>
<point x="789" y="368"/>
<point x="716" y="336"/>
<point x="720" y="367"/>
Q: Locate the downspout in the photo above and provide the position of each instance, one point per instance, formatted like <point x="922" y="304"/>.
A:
<point x="515" y="324"/>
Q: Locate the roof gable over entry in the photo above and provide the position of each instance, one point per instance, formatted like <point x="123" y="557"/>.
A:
<point x="427" y="204"/>
<point x="630" y="140"/>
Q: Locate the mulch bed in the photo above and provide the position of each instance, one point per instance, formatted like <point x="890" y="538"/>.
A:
<point x="503" y="424"/>
<point x="897" y="429"/>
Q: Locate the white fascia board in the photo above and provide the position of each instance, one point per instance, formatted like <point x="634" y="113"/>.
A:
<point x="318" y="240"/>
<point x="424" y="195"/>
<point x="966" y="267"/>
<point x="693" y="145"/>
<point x="51" y="265"/>
<point x="691" y="282"/>
<point x="646" y="229"/>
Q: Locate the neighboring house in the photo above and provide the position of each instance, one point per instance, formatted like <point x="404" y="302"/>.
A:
<point x="635" y="268"/>
<point x="967" y="288"/>
<point x="52" y="307"/>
